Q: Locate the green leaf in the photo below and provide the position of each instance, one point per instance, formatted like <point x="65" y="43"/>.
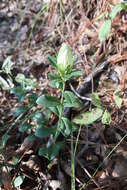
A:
<point x="48" y="101"/>
<point x="70" y="100"/>
<point x="115" y="10"/>
<point x="124" y="5"/>
<point x="7" y="65"/>
<point x="96" y="100"/>
<point x="47" y="114"/>
<point x="88" y="118"/>
<point x="106" y="118"/>
<point x="18" y="181"/>
<point x="4" y="140"/>
<point x="27" y="83"/>
<point x="53" y="61"/>
<point x="100" y="16"/>
<point x="20" y="110"/>
<point x="32" y="98"/>
<point x="51" y="152"/>
<point x="118" y="98"/>
<point x="42" y="131"/>
<point x="20" y="78"/>
<point x="38" y="117"/>
<point x="15" y="160"/>
<point x="67" y="126"/>
<point x="57" y="110"/>
<point x="105" y="30"/>
<point x="55" y="81"/>
<point x="19" y="92"/>
<point x="74" y="73"/>
<point x="24" y="127"/>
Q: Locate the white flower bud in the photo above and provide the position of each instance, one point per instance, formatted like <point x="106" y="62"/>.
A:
<point x="64" y="59"/>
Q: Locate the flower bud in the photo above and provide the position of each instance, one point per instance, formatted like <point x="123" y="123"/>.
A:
<point x="64" y="59"/>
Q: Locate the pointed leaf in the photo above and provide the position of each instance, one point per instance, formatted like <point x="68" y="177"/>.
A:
<point x="67" y="125"/>
<point x="115" y="10"/>
<point x="118" y="98"/>
<point x="105" y="30"/>
<point x="4" y="140"/>
<point x="74" y="73"/>
<point x="53" y="61"/>
<point x="106" y="118"/>
<point x="96" y="100"/>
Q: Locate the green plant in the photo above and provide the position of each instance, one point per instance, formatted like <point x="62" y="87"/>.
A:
<point x="64" y="71"/>
<point x="105" y="29"/>
<point x="118" y="98"/>
<point x="33" y="114"/>
<point x="35" y="121"/>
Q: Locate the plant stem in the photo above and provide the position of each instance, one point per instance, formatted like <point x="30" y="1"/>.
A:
<point x="72" y="163"/>
<point x="77" y="140"/>
<point x="61" y="110"/>
<point x="73" y="153"/>
<point x="61" y="9"/>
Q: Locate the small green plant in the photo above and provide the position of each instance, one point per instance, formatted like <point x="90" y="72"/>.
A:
<point x="105" y="29"/>
<point x="64" y="71"/>
<point x="33" y="114"/>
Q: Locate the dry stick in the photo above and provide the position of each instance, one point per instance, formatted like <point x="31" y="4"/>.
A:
<point x="88" y="174"/>
<point x="83" y="87"/>
<point x="78" y="95"/>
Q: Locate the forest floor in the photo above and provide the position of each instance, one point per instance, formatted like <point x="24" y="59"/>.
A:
<point x="30" y="32"/>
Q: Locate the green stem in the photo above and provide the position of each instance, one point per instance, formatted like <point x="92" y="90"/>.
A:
<point x="77" y="139"/>
<point x="61" y="110"/>
<point x="72" y="163"/>
<point x="73" y="153"/>
<point x="61" y="9"/>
